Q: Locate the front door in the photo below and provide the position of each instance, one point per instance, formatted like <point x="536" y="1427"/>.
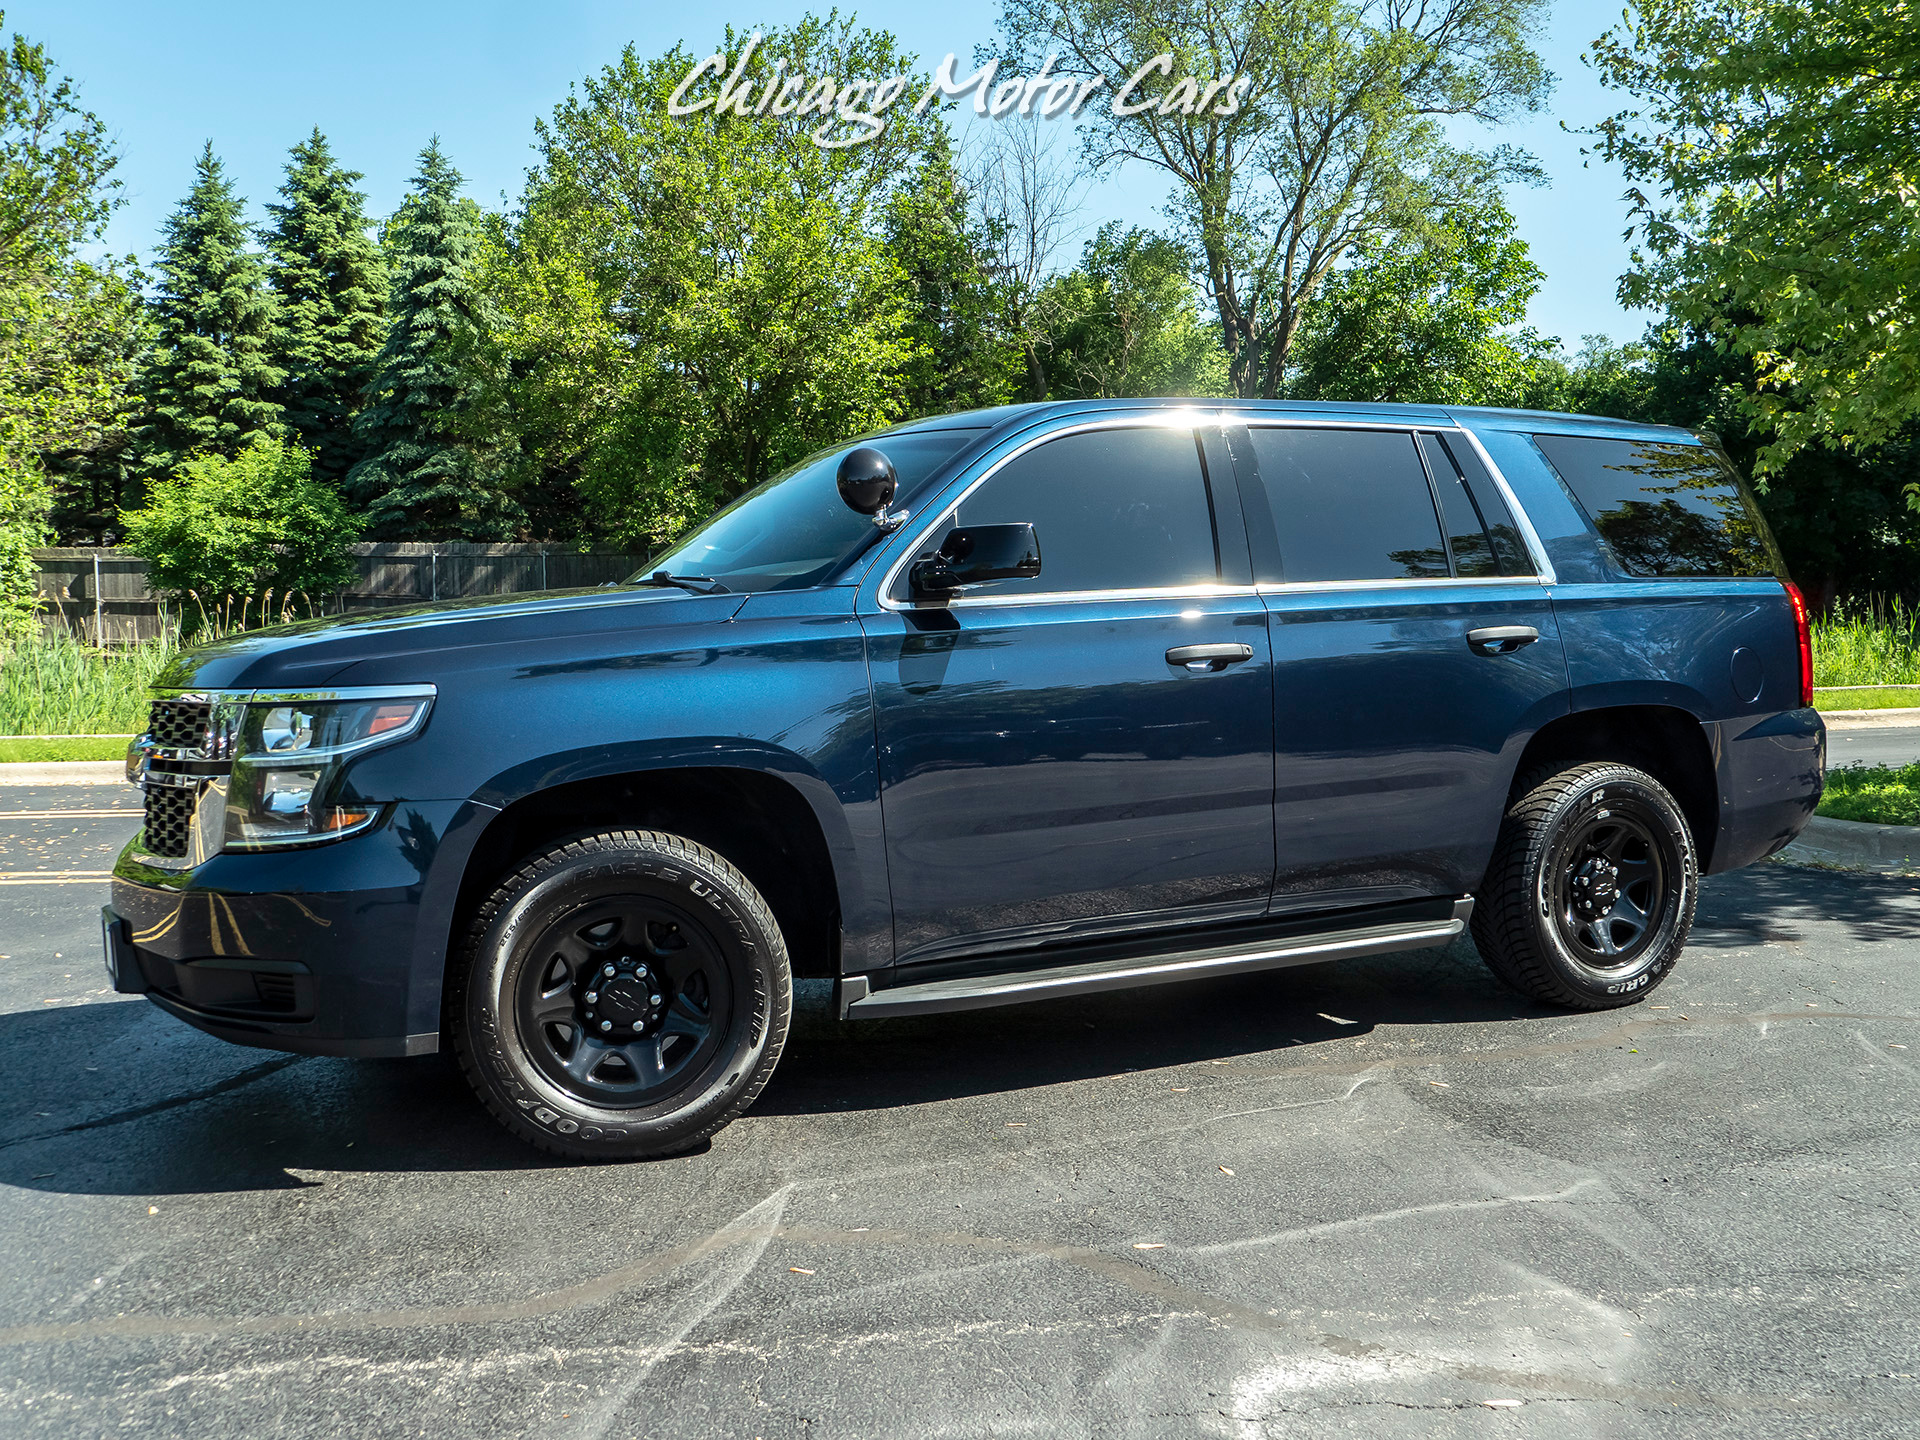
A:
<point x="1415" y="653"/>
<point x="1055" y="761"/>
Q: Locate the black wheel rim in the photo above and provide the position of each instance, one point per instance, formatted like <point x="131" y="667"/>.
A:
<point x="624" y="1001"/>
<point x="1612" y="883"/>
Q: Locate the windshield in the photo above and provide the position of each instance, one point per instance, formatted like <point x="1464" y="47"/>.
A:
<point x="791" y="531"/>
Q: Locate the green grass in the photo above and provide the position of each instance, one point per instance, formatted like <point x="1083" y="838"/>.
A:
<point x="1873" y="794"/>
<point x="62" y="747"/>
<point x="1868" y="699"/>
<point x="1872" y="642"/>
<point x="50" y="684"/>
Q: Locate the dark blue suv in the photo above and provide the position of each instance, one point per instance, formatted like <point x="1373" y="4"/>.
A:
<point x="1021" y="703"/>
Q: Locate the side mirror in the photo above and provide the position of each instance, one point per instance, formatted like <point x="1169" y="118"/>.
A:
<point x="867" y="480"/>
<point x="975" y="555"/>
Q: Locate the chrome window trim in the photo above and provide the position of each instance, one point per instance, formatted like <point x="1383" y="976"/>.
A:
<point x="1050" y="597"/>
<point x="1298" y="587"/>
<point x="1190" y="418"/>
<point x="1546" y="575"/>
<point x="1187" y="418"/>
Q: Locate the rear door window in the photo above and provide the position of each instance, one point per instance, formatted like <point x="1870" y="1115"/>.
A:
<point x="1664" y="510"/>
<point x="1480" y="529"/>
<point x="1346" y="505"/>
<point x="1118" y="509"/>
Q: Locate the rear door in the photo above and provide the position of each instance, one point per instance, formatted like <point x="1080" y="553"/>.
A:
<point x="1051" y="764"/>
<point x="1415" y="652"/>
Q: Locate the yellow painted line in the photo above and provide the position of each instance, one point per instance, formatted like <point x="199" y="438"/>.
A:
<point x="54" y="877"/>
<point x="63" y="814"/>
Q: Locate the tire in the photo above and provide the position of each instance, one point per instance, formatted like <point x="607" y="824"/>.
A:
<point x="1589" y="899"/>
<point x="621" y="996"/>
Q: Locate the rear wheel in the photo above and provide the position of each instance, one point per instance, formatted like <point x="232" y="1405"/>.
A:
<point x="623" y="995"/>
<point x="1589" y="899"/>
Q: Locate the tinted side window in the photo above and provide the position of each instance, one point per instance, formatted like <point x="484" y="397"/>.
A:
<point x="1113" y="510"/>
<point x="1480" y="528"/>
<point x="1664" y="510"/>
<point x="1348" y="505"/>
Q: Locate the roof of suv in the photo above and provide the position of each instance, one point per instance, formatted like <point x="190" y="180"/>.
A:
<point x="1489" y="416"/>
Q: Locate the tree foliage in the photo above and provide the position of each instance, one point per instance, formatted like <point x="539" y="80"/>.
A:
<point x="957" y="356"/>
<point x="698" y="301"/>
<point x="433" y="434"/>
<point x="221" y="532"/>
<point x="1775" y="150"/>
<point x="331" y="285"/>
<point x="1128" y="323"/>
<point x="1429" y="317"/>
<point x="65" y="326"/>
<point x="210" y="385"/>
<point x="71" y="339"/>
<point x="56" y="162"/>
<point x="1342" y="137"/>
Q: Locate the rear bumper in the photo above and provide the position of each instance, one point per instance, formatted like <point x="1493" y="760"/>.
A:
<point x="335" y="950"/>
<point x="1771" y="770"/>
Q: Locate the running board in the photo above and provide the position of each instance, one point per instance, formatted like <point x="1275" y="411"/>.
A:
<point x="858" y="1001"/>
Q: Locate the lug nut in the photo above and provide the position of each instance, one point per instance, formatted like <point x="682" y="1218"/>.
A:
<point x="608" y="971"/>
<point x="653" y="999"/>
<point x="606" y="1024"/>
<point x="592" y="996"/>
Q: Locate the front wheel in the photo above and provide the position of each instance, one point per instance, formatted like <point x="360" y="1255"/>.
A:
<point x="623" y="995"/>
<point x="1589" y="899"/>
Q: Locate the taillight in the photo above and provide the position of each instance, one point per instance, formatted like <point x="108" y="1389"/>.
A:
<point x="1805" y="634"/>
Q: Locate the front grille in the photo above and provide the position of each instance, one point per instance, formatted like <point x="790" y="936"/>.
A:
<point x="170" y="818"/>
<point x="179" y="724"/>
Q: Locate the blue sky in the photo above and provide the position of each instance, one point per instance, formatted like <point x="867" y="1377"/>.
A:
<point x="380" y="78"/>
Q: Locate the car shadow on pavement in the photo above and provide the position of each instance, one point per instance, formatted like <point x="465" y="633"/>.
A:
<point x="115" y="1098"/>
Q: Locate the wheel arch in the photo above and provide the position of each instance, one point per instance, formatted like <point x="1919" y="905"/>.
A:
<point x="759" y="819"/>
<point x="1668" y="743"/>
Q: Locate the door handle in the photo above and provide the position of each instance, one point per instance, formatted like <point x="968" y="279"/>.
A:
<point x="1201" y="658"/>
<point x="1500" y="639"/>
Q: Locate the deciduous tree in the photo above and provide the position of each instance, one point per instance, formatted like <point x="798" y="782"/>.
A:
<point x="697" y="301"/>
<point x="1345" y="132"/>
<point x="1433" y="316"/>
<point x="255" y="529"/>
<point x="1129" y="323"/>
<point x="1774" y="147"/>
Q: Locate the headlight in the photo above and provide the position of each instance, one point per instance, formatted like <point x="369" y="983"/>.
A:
<point x="288" y="751"/>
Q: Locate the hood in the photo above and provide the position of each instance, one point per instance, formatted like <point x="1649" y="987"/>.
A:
<point x="312" y="654"/>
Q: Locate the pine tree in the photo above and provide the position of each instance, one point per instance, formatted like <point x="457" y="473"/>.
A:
<point x="331" y="284"/>
<point x="210" y="385"/>
<point x="433" y="466"/>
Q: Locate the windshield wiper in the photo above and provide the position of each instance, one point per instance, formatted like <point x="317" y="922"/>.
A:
<point x="698" y="584"/>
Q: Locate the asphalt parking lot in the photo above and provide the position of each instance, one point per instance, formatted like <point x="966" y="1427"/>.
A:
<point x="1385" y="1197"/>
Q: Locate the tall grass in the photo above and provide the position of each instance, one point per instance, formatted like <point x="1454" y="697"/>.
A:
<point x="1872" y="642"/>
<point x="51" y="684"/>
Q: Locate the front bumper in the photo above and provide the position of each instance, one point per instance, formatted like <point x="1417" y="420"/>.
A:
<point x="334" y="949"/>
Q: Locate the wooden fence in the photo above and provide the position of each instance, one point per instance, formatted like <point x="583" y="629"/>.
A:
<point x="101" y="595"/>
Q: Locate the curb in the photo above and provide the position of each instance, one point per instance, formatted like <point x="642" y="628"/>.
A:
<point x="1869" y="719"/>
<point x="63" y="772"/>
<point x="1892" y="848"/>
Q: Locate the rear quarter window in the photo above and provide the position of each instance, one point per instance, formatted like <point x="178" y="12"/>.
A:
<point x="1665" y="511"/>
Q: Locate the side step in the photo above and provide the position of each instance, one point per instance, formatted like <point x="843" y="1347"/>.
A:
<point x="858" y="1001"/>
